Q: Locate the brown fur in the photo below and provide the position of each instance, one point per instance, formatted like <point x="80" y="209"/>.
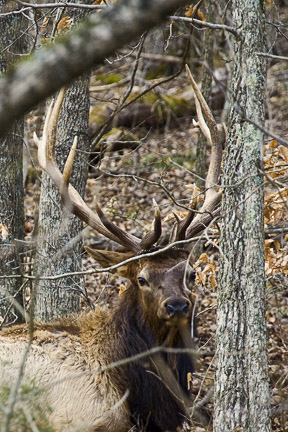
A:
<point x="65" y="356"/>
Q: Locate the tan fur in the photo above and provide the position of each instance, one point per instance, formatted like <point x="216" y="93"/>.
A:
<point x="66" y="357"/>
<point x="64" y="364"/>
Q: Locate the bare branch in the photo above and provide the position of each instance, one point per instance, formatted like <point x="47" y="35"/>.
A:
<point x="83" y="48"/>
<point x="207" y="25"/>
<point x="272" y="56"/>
<point x="60" y="4"/>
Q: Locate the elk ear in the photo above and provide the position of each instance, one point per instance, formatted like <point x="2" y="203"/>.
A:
<point x="109" y="258"/>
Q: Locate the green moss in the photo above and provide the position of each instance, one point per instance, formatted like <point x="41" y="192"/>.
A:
<point x="156" y="71"/>
<point x="108" y="79"/>
<point x="29" y="394"/>
<point x="98" y="114"/>
<point x="150" y="159"/>
<point x="32" y="175"/>
<point x="178" y="105"/>
<point x="180" y="160"/>
<point x="150" y="98"/>
<point x="119" y="134"/>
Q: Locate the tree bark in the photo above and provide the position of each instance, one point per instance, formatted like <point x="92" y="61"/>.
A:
<point x="59" y="233"/>
<point x="11" y="186"/>
<point x="241" y="389"/>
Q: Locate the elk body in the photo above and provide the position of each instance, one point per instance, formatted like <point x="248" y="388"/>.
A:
<point x="96" y="371"/>
<point x="65" y="357"/>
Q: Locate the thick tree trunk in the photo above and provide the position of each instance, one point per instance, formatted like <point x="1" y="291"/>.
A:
<point x="11" y="186"/>
<point x="241" y="389"/>
<point x="59" y="234"/>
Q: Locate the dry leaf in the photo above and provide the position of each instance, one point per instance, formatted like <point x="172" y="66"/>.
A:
<point x="64" y="23"/>
<point x="3" y="231"/>
<point x="273" y="143"/>
<point x="201" y="15"/>
<point x="284" y="151"/>
<point x="189" y="11"/>
<point x="45" y="23"/>
<point x="213" y="282"/>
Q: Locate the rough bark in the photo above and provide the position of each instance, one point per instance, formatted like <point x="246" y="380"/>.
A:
<point x="59" y="233"/>
<point x="88" y="45"/>
<point x="11" y="186"/>
<point x="241" y="389"/>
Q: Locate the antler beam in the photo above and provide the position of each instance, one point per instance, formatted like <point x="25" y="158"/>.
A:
<point x="71" y="198"/>
<point x="208" y="210"/>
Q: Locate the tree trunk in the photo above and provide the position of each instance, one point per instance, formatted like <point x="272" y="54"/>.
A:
<point x="241" y="389"/>
<point x="11" y="186"/>
<point x="59" y="233"/>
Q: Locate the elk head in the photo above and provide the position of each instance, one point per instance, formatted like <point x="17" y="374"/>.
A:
<point x="165" y="275"/>
<point x="163" y="281"/>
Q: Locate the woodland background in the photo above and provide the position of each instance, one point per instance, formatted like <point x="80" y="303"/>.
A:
<point x="144" y="146"/>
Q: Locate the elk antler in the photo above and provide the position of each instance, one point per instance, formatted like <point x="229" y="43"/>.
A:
<point x="98" y="221"/>
<point x="153" y="236"/>
<point x="208" y="210"/>
<point x="71" y="198"/>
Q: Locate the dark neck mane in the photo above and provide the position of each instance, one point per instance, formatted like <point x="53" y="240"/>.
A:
<point x="149" y="397"/>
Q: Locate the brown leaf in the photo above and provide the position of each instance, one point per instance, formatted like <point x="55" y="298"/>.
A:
<point x="189" y="11"/>
<point x="64" y="23"/>
<point x="45" y="23"/>
<point x="284" y="151"/>
<point x="273" y="143"/>
<point x="3" y="231"/>
<point x="201" y="15"/>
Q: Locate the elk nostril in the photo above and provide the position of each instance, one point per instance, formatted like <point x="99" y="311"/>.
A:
<point x="177" y="309"/>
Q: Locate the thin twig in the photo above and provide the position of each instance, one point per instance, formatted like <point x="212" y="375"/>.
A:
<point x="207" y="24"/>
<point x="272" y="56"/>
<point x="107" y="269"/>
<point x="59" y="5"/>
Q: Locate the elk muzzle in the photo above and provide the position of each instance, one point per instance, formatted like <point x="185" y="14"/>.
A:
<point x="175" y="308"/>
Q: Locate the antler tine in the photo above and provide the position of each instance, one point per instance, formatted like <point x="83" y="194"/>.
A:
<point x="201" y="122"/>
<point x="153" y="236"/>
<point x="212" y="197"/>
<point x="71" y="198"/>
<point x="182" y="225"/>
<point x="69" y="162"/>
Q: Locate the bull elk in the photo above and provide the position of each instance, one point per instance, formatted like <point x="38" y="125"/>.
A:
<point x="102" y="370"/>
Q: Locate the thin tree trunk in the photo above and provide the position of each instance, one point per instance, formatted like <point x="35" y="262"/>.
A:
<point x="11" y="186"/>
<point x="59" y="233"/>
<point x="241" y="389"/>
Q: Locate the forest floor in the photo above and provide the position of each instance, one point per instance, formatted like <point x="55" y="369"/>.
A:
<point x="159" y="160"/>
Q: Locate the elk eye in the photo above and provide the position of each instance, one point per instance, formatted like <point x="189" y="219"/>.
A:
<point x="142" y="281"/>
<point x="192" y="276"/>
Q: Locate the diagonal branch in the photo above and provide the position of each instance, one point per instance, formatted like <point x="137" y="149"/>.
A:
<point x="98" y="37"/>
